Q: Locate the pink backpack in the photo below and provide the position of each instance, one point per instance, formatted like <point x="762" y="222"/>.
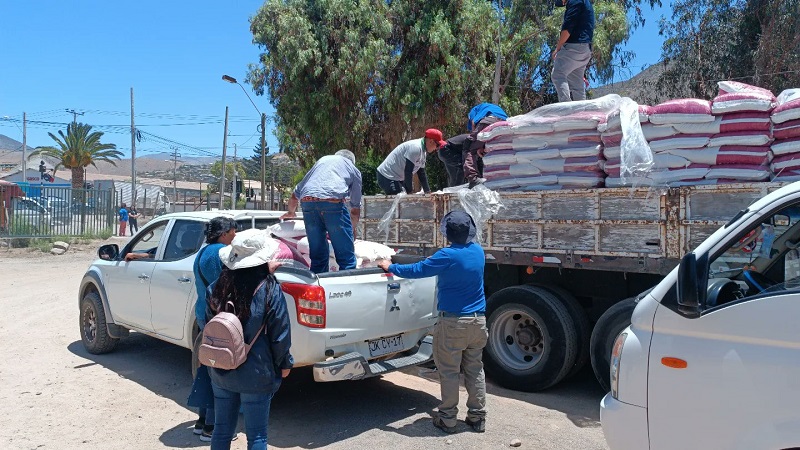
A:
<point x="223" y="345"/>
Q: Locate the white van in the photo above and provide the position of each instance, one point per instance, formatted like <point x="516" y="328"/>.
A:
<point x="712" y="357"/>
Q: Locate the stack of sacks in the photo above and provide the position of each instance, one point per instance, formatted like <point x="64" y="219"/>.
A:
<point x="556" y="146"/>
<point x="367" y="253"/>
<point x="289" y="231"/>
<point x="786" y="131"/>
<point x="672" y="129"/>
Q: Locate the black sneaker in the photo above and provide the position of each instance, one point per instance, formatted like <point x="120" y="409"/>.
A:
<point x="478" y="425"/>
<point x="208" y="430"/>
<point x="198" y="426"/>
<point x="438" y="423"/>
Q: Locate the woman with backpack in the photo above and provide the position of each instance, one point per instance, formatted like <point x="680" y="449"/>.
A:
<point x="248" y="289"/>
<point x="219" y="232"/>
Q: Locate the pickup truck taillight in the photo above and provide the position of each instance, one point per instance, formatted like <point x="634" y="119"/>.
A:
<point x="309" y="301"/>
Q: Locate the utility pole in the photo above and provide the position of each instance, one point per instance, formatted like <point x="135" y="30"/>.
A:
<point x="235" y="176"/>
<point x="175" y="155"/>
<point x="263" y="157"/>
<point x="133" y="156"/>
<point x="75" y="115"/>
<point x="224" y="154"/>
<point x="24" y="144"/>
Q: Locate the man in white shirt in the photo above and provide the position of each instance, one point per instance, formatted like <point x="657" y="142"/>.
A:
<point x="396" y="172"/>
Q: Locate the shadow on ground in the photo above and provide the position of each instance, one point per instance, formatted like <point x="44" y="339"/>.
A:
<point x="304" y="413"/>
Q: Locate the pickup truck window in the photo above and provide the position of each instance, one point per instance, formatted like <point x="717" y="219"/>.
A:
<point x="246" y="224"/>
<point x="762" y="260"/>
<point x="147" y="241"/>
<point x="185" y="239"/>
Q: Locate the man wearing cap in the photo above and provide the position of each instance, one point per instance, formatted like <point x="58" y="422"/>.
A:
<point x="322" y="195"/>
<point x="460" y="332"/>
<point x="573" y="50"/>
<point x="396" y="172"/>
<point x="480" y="117"/>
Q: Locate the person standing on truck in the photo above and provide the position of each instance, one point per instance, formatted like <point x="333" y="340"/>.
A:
<point x="452" y="155"/>
<point x="322" y="195"/>
<point x="219" y="232"/>
<point x="247" y="281"/>
<point x="123" y="219"/>
<point x="573" y="50"/>
<point x="480" y="117"/>
<point x="396" y="172"/>
<point x="460" y="333"/>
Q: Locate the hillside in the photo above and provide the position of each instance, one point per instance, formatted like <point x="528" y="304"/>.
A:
<point x="640" y="87"/>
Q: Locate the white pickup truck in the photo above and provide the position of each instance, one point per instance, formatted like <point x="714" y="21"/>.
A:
<point x="711" y="359"/>
<point x="351" y="324"/>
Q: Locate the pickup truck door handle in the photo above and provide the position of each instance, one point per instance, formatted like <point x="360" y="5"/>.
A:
<point x="393" y="287"/>
<point x="143" y="277"/>
<point x="184" y="280"/>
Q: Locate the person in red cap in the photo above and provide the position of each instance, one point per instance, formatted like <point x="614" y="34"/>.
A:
<point x="396" y="172"/>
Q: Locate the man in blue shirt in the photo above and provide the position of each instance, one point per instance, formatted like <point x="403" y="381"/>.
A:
<point x="322" y="195"/>
<point x="480" y="117"/>
<point x="574" y="49"/>
<point x="460" y="333"/>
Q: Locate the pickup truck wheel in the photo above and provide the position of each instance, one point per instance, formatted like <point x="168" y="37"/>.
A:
<point x="582" y="326"/>
<point x="533" y="340"/>
<point x="94" y="330"/>
<point x="606" y="330"/>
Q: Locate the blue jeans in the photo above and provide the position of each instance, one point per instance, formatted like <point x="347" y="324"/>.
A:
<point x="333" y="219"/>
<point x="256" y="417"/>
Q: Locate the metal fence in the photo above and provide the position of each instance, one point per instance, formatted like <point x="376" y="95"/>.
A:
<point x="57" y="212"/>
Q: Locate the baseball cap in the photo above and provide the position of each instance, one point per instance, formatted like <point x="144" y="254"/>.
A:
<point x="436" y="135"/>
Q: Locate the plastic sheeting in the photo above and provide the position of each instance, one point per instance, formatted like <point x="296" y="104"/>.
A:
<point x="481" y="203"/>
<point x="386" y="220"/>
<point x="636" y="157"/>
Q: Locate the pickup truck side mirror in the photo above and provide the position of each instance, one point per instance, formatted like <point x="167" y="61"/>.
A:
<point x="692" y="284"/>
<point x="108" y="252"/>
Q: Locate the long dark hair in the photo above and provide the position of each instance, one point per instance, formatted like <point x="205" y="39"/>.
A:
<point x="237" y="287"/>
<point x="218" y="226"/>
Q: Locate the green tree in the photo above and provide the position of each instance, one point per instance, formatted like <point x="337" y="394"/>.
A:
<point x="79" y="148"/>
<point x="754" y="41"/>
<point x="216" y="171"/>
<point x="369" y="74"/>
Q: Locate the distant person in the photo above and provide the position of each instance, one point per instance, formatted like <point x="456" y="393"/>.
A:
<point x="247" y="281"/>
<point x="219" y="232"/>
<point x="479" y="117"/>
<point x="123" y="220"/>
<point x="460" y="333"/>
<point x="452" y="156"/>
<point x="133" y="220"/>
<point x="573" y="50"/>
<point x="396" y="172"/>
<point x="321" y="195"/>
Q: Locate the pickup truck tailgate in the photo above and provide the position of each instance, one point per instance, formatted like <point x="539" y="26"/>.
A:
<point x="369" y="304"/>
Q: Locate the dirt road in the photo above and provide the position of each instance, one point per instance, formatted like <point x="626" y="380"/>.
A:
<point x="56" y="396"/>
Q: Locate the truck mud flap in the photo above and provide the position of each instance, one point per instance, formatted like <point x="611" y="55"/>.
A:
<point x="353" y="366"/>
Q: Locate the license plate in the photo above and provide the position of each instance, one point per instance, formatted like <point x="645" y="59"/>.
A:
<point x="386" y="345"/>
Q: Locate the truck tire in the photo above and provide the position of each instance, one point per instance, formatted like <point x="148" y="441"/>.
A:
<point x="93" y="326"/>
<point x="582" y="326"/>
<point x="606" y="330"/>
<point x="532" y="339"/>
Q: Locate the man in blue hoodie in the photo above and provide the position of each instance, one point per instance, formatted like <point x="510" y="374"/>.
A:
<point x="460" y="333"/>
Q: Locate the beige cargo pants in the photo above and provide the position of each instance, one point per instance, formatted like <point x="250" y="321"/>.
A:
<point x="458" y="346"/>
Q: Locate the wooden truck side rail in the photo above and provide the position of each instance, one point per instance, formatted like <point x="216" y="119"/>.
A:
<point x="644" y="230"/>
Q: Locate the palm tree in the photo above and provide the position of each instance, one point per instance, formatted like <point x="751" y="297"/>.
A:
<point x="78" y="149"/>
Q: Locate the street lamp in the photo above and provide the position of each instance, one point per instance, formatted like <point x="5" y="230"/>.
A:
<point x="232" y="80"/>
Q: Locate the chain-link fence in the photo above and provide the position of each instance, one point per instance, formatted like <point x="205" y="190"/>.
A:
<point x="57" y="212"/>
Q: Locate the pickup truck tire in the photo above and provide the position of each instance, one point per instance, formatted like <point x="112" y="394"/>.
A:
<point x="94" y="329"/>
<point x="582" y="326"/>
<point x="606" y="330"/>
<point x="533" y="339"/>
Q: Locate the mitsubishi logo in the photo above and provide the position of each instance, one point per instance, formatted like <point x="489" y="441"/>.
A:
<point x="394" y="306"/>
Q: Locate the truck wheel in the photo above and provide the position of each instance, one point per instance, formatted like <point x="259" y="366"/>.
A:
<point x="582" y="326"/>
<point x="94" y="330"/>
<point x="606" y="330"/>
<point x="532" y="339"/>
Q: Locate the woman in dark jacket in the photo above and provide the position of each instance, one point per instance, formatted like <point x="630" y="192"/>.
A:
<point x="248" y="283"/>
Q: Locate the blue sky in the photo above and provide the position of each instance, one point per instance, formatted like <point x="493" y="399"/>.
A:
<point x="86" y="55"/>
